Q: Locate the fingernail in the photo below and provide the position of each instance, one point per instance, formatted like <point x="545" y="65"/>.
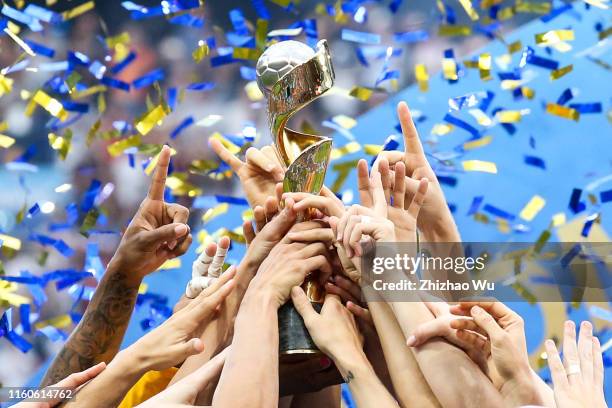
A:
<point x="325" y="362"/>
<point x="549" y="343"/>
<point x="180" y="230"/>
<point x="476" y="310"/>
<point x="411" y="341"/>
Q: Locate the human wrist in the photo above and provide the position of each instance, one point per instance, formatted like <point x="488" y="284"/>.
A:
<point x="351" y="363"/>
<point x="118" y="267"/>
<point x="261" y="295"/>
<point x="521" y="390"/>
<point x="440" y="229"/>
<point x="132" y="362"/>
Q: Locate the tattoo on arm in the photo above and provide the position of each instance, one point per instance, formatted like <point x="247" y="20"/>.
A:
<point x="349" y="377"/>
<point x="100" y="332"/>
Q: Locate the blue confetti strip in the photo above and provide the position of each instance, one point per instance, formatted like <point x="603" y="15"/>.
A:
<point x="462" y="124"/>
<point x="535" y="161"/>
<point x="605" y="196"/>
<point x="149" y="78"/>
<point x="476" y="202"/>
<point x="121" y="65"/>
<point x="360" y="37"/>
<point x="411" y="36"/>
<point x="575" y="204"/>
<point x="582" y="108"/>
<point x="182" y="126"/>
<point x="498" y="212"/>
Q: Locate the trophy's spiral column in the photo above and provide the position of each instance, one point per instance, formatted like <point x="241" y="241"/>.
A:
<point x="291" y="75"/>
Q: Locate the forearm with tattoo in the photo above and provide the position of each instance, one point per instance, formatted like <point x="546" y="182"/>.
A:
<point x="99" y="334"/>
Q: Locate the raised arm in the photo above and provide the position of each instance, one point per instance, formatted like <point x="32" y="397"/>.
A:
<point x="252" y="365"/>
<point x="158" y="232"/>
<point x="335" y="332"/>
<point x="160" y="349"/>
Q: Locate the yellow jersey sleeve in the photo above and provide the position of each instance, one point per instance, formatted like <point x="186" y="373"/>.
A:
<point x="150" y="384"/>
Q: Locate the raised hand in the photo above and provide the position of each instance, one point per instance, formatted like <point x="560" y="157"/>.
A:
<point x="403" y="215"/>
<point x="436" y="221"/>
<point x="174" y="341"/>
<point x="258" y="174"/>
<point x="207" y="268"/>
<point x="158" y="231"/>
<point x="70" y="383"/>
<point x="288" y="264"/>
<point x="579" y="380"/>
<point x="500" y="333"/>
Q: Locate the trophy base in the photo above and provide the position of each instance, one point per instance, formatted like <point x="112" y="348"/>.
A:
<point x="295" y="343"/>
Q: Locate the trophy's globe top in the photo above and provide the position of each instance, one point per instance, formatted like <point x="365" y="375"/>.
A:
<point x="278" y="60"/>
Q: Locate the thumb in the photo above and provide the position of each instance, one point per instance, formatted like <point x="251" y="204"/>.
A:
<point x="193" y="346"/>
<point x="165" y="233"/>
<point x="285" y="219"/>
<point x="302" y="305"/>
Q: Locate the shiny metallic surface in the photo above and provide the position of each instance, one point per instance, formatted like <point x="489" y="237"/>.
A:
<point x="304" y="156"/>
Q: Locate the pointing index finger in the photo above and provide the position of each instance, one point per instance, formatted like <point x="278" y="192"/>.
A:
<point x="412" y="143"/>
<point x="158" y="183"/>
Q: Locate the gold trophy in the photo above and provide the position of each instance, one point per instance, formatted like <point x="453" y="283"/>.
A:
<point x="291" y="75"/>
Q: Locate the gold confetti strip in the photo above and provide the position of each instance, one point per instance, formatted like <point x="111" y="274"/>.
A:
<point x="123" y="38"/>
<point x="554" y="37"/>
<point x="505" y="13"/>
<point x="482" y="118"/>
<point x="261" y="31"/>
<point x="20" y="42"/>
<point x="78" y="10"/>
<point x="479" y="165"/>
<point x="503" y="226"/>
<point x="558" y="73"/>
<point x="558" y="219"/>
<point x="372" y="149"/>
<point x="446" y="30"/>
<point x="348" y="148"/>
<point x="533" y="207"/>
<point x="248" y="215"/>
<point x="174" y="263"/>
<point x="246" y="53"/>
<point x="61" y="143"/>
<point x="179" y="185"/>
<point x="342" y="170"/>
<point x="118" y="147"/>
<point x="10" y="242"/>
<point x="6" y="141"/>
<point x="469" y="9"/>
<point x="562" y="111"/>
<point x="7" y="295"/>
<point x="3" y="126"/>
<point x="484" y="65"/>
<point x="527" y="92"/>
<point x="226" y="143"/>
<point x="532" y="7"/>
<point x="422" y="77"/>
<point x="605" y="33"/>
<point x="142" y="289"/>
<point x="253" y="92"/>
<point x="199" y="53"/>
<point x="202" y="166"/>
<point x="214" y="212"/>
<point x="88" y="91"/>
<point x="151" y="119"/>
<point x="6" y="85"/>
<point x="449" y="69"/>
<point x="441" y="129"/>
<point x="508" y="116"/>
<point x="361" y="93"/>
<point x="485" y="4"/>
<point x="51" y="105"/>
<point x="59" y="322"/>
<point x="515" y="47"/>
<point x="345" y="121"/>
<point x="483" y="141"/>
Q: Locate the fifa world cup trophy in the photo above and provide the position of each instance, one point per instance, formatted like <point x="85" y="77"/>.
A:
<point x="291" y="75"/>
